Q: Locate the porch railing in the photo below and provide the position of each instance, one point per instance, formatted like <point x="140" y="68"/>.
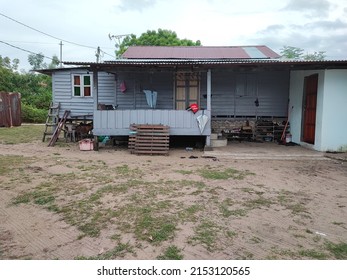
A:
<point x="117" y="122"/>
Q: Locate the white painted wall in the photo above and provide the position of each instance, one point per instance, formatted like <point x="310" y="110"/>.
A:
<point x="331" y="114"/>
<point x="334" y="117"/>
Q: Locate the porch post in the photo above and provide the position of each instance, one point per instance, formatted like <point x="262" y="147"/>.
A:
<point x="209" y="90"/>
<point x="95" y="89"/>
<point x="95" y="104"/>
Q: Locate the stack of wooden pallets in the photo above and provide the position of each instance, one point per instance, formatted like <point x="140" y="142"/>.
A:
<point x="149" y="139"/>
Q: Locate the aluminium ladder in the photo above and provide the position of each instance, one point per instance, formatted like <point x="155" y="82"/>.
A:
<point x="52" y="120"/>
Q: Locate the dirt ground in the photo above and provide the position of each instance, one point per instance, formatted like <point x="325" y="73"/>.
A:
<point x="244" y="201"/>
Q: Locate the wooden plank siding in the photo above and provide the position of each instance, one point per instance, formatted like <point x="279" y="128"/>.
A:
<point x="233" y="95"/>
<point x="134" y="97"/>
<point x="117" y="122"/>
<point x="80" y="106"/>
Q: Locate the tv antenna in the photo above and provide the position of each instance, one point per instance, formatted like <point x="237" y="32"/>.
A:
<point x="117" y="39"/>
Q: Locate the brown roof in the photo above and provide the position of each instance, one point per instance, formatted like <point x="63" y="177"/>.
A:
<point x="199" y="52"/>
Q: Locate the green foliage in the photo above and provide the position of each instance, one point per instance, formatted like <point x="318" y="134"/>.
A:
<point x="171" y="253"/>
<point x="338" y="250"/>
<point x="315" y="56"/>
<point x="290" y="52"/>
<point x="217" y="174"/>
<point x="162" y="37"/>
<point x="31" y="114"/>
<point x="35" y="89"/>
<point x="7" y="63"/>
<point x="37" y="61"/>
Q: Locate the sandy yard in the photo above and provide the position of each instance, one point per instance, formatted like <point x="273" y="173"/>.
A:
<point x="245" y="201"/>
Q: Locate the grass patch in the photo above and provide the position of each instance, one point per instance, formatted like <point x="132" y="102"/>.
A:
<point x="258" y="202"/>
<point x="171" y="253"/>
<point x="9" y="164"/>
<point x="118" y="252"/>
<point x="190" y="213"/>
<point x="294" y="202"/>
<point x="313" y="254"/>
<point x="22" y="198"/>
<point x="338" y="250"/>
<point x="125" y="171"/>
<point x="229" y="173"/>
<point x="297" y="208"/>
<point x="149" y="221"/>
<point x="226" y="212"/>
<point x="87" y="216"/>
<point x="41" y="195"/>
<point x="21" y="134"/>
<point x="152" y="227"/>
<point x="206" y="234"/>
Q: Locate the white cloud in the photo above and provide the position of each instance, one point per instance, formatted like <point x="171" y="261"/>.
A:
<point x="312" y="8"/>
<point x="137" y="5"/>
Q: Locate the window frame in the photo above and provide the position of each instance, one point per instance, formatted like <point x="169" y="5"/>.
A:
<point x="187" y="81"/>
<point x="82" y="86"/>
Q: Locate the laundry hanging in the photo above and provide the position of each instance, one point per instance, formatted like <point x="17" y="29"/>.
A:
<point x="123" y="87"/>
<point x="151" y="97"/>
<point x="202" y="121"/>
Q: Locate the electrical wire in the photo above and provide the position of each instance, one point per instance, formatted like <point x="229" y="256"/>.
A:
<point x="44" y="33"/>
<point x="49" y="35"/>
<point x="19" y="48"/>
<point x="26" y="42"/>
<point x="113" y="56"/>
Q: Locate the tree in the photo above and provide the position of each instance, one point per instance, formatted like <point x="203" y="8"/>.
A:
<point x="162" y="37"/>
<point x="298" y="53"/>
<point x="7" y="63"/>
<point x="54" y="63"/>
<point x="315" y="56"/>
<point x="36" y="61"/>
<point x="35" y="89"/>
<point x="292" y="52"/>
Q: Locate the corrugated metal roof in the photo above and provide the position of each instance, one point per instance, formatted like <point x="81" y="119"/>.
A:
<point x="209" y="62"/>
<point x="199" y="52"/>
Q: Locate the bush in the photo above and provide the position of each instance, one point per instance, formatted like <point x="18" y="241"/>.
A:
<point x="31" y="114"/>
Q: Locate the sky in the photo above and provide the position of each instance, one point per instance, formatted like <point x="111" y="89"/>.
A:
<point x="313" y="25"/>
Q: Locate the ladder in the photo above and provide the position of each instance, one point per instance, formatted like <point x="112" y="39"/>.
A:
<point x="58" y="129"/>
<point x="52" y="120"/>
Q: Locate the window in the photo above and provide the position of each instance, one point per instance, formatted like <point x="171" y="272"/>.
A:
<point x="82" y="86"/>
<point x="187" y="89"/>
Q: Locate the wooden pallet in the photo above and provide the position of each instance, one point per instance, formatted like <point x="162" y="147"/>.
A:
<point x="132" y="138"/>
<point x="149" y="139"/>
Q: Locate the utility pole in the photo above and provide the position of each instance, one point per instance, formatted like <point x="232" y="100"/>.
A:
<point x="97" y="54"/>
<point x="61" y="55"/>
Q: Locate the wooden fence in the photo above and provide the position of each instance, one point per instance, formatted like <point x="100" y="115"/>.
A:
<point x="10" y="109"/>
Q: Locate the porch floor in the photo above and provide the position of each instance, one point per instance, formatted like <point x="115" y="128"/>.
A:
<point x="266" y="150"/>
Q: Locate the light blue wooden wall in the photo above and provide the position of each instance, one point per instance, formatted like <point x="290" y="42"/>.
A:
<point x="233" y="93"/>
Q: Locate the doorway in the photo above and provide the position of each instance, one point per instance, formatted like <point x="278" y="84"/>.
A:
<point x="309" y="108"/>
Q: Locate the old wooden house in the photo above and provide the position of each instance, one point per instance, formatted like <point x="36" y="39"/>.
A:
<point x="230" y="85"/>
